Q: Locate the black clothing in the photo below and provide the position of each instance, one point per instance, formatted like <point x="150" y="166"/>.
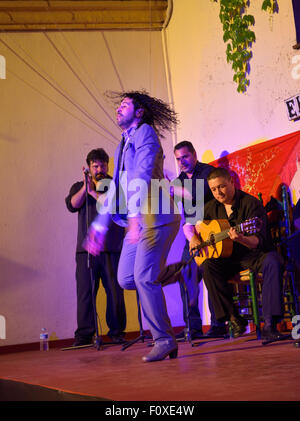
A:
<point x="293" y="244"/>
<point x="201" y="171"/>
<point x="192" y="275"/>
<point x="103" y="266"/>
<point x="296" y="210"/>
<point x="216" y="271"/>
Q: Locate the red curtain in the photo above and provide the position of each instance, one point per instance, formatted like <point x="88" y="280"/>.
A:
<point x="264" y="167"/>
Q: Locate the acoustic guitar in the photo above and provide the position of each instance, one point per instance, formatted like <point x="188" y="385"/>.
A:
<point x="215" y="241"/>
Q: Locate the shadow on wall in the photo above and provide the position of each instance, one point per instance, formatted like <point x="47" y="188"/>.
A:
<point x="224" y="163"/>
<point x="13" y="273"/>
<point x="8" y="138"/>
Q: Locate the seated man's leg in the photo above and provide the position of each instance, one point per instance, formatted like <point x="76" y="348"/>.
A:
<point x="217" y="328"/>
<point x="216" y="273"/>
<point x="192" y="275"/>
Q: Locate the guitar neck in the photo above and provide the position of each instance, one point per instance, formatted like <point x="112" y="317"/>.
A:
<point x="220" y="236"/>
<point x="250" y="226"/>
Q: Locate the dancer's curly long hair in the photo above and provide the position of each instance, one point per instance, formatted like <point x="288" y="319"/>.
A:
<point x="157" y="113"/>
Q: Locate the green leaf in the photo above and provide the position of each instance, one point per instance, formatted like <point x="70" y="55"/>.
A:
<point x="228" y="49"/>
<point x="226" y="36"/>
<point x="238" y="37"/>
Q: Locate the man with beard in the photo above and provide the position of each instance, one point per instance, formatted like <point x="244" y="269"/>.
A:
<point x="102" y="266"/>
<point x="150" y="233"/>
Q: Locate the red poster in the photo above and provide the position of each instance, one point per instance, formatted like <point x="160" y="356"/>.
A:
<point x="264" y="167"/>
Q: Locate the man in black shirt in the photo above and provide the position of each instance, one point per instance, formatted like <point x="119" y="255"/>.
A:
<point x="194" y="170"/>
<point x="103" y="266"/>
<point x="249" y="251"/>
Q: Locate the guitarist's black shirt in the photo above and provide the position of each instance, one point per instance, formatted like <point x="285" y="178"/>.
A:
<point x="244" y="207"/>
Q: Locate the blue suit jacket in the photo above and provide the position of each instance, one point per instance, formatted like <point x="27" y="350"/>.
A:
<point x="143" y="162"/>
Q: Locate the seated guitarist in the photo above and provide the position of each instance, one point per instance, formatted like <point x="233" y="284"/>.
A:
<point x="249" y="251"/>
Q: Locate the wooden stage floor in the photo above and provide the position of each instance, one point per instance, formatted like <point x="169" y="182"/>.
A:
<point x="213" y="370"/>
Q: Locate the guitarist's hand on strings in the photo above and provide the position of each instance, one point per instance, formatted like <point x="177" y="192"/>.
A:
<point x="249" y="241"/>
<point x="234" y="235"/>
<point x="193" y="238"/>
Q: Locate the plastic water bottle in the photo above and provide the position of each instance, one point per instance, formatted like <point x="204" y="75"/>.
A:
<point x="44" y="343"/>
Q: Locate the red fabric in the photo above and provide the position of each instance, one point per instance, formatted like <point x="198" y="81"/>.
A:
<point x="263" y="168"/>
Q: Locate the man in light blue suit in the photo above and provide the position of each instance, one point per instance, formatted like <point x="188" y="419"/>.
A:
<point x="151" y="227"/>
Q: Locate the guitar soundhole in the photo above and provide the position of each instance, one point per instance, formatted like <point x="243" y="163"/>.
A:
<point x="212" y="240"/>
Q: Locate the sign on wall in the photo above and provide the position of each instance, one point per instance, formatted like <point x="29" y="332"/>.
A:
<point x="293" y="107"/>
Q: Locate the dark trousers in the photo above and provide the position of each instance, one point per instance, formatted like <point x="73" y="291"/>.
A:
<point x="104" y="266"/>
<point x="192" y="275"/>
<point x="216" y="273"/>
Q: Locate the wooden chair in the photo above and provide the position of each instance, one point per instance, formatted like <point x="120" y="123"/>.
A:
<point x="248" y="285"/>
